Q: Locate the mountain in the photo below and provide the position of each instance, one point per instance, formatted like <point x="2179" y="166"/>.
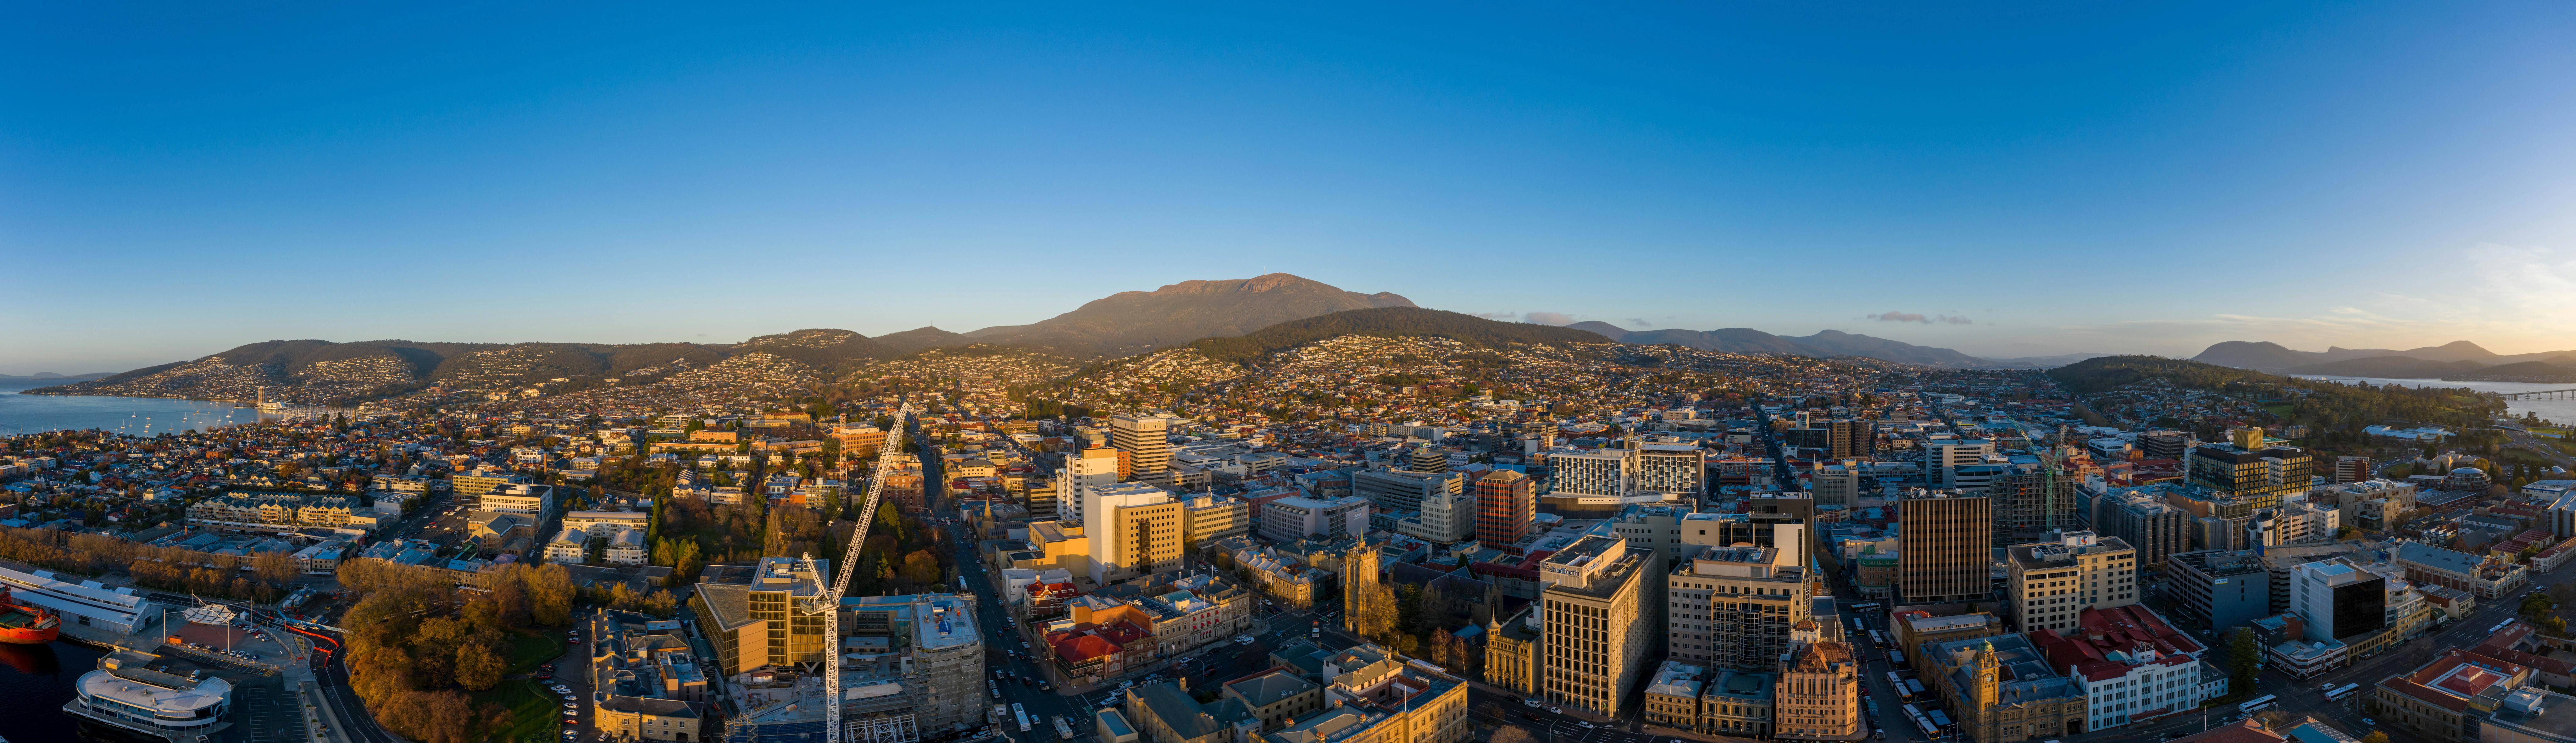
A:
<point x="1127" y="323"/>
<point x="2559" y="370"/>
<point x="822" y="348"/>
<point x="1605" y="330"/>
<point x="1839" y="343"/>
<point x="2391" y="367"/>
<point x="921" y="338"/>
<point x="2272" y="357"/>
<point x="1388" y="322"/>
<point x="52" y="377"/>
<point x="2040" y="362"/>
<point x="318" y="371"/>
<point x="1823" y="343"/>
<point x="2264" y="355"/>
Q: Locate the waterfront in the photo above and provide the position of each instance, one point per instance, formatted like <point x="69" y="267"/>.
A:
<point x="2563" y="411"/>
<point x="37" y="680"/>
<point x="142" y="416"/>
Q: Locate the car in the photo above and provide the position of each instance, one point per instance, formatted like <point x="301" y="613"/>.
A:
<point x="1556" y="709"/>
<point x="562" y="689"/>
<point x="572" y="705"/>
<point x="2367" y="722"/>
<point x="1042" y="686"/>
<point x="1532" y="717"/>
<point x="1584" y="723"/>
<point x="574" y="641"/>
<point x="571" y="698"/>
<point x="1529" y="702"/>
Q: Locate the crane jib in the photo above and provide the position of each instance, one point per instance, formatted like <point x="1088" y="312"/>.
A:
<point x="830" y="602"/>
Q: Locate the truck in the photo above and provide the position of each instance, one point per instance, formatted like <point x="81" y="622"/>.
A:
<point x="1023" y="714"/>
<point x="1063" y="729"/>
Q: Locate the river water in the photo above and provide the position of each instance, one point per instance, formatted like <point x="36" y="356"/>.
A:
<point x="35" y="681"/>
<point x="2563" y="411"/>
<point x="142" y="416"/>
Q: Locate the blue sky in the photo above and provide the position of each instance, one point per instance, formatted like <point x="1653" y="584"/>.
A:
<point x="2063" y="179"/>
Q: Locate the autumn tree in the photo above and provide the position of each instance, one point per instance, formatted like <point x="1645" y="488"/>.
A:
<point x="478" y="668"/>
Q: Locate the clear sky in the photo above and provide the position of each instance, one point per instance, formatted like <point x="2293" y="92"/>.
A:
<point x="2028" y="179"/>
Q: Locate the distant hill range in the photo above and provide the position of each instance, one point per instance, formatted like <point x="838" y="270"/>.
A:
<point x="1389" y="322"/>
<point x="1824" y="344"/>
<point x="56" y="378"/>
<point x="2458" y="361"/>
<point x="1129" y="323"/>
<point x="1234" y="318"/>
<point x="1119" y="325"/>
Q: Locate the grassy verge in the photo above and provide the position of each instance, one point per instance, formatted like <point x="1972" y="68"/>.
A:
<point x="529" y="651"/>
<point x="532" y="710"/>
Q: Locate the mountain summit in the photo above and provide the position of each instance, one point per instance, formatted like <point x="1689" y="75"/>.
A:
<point x="1131" y="322"/>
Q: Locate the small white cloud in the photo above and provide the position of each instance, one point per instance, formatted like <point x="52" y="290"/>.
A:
<point x="1900" y="317"/>
<point x="1548" y="318"/>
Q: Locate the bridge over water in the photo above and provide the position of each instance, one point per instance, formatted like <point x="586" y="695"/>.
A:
<point x="2542" y="395"/>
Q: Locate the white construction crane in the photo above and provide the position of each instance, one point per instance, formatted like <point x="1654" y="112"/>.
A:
<point x="829" y="604"/>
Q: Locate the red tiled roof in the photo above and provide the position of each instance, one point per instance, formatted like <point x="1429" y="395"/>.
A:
<point x="1082" y="648"/>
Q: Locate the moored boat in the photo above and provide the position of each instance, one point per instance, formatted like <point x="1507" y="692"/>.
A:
<point x="26" y="624"/>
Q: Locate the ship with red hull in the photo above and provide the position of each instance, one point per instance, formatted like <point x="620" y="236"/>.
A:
<point x="22" y="623"/>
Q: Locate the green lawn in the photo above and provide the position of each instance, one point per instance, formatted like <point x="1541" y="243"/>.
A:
<point x="529" y="651"/>
<point x="532" y="710"/>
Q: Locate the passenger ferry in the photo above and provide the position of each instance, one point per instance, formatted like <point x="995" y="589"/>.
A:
<point x="132" y="695"/>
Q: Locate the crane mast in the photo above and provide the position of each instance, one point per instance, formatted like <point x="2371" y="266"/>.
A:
<point x="829" y="604"/>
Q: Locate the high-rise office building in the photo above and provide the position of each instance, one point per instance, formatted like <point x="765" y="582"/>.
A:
<point x="1597" y="474"/>
<point x="2353" y="468"/>
<point x="2033" y="499"/>
<point x="1733" y="607"/>
<point x="1836" y="484"/>
<point x="1601" y="629"/>
<point x="2247" y="467"/>
<point x="1668" y="466"/>
<point x="1849" y="438"/>
<point x="1429" y="459"/>
<point x="1944" y="551"/>
<point x="1397" y="491"/>
<point x="2048" y="584"/>
<point x="762" y="619"/>
<point x="2156" y="528"/>
<point x="1506" y="509"/>
<point x="2164" y="444"/>
<point x="1083" y="472"/>
<point x="1146" y="440"/>
<point x="2219" y="589"/>
<point x="1943" y="458"/>
<point x="1820" y="694"/>
<point x="1134" y="529"/>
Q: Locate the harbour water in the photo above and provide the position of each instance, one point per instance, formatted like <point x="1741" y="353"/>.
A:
<point x="2563" y="411"/>
<point x="36" y="680"/>
<point x="142" y="416"/>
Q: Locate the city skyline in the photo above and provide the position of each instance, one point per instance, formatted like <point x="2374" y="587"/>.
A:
<point x="2008" y="182"/>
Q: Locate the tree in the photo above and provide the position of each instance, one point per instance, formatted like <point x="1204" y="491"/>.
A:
<point x="2244" y="658"/>
<point x="2375" y="737"/>
<point x="478" y="668"/>
<point x="550" y="593"/>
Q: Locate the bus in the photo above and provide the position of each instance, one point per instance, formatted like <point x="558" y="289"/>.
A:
<point x="1898" y="683"/>
<point x="2508" y="622"/>
<point x="2256" y="704"/>
<point x="1877" y="640"/>
<point x="1023" y="714"/>
<point x="1063" y="730"/>
<point x="1865" y="606"/>
<point x="1922" y="723"/>
<point x="2340" y="693"/>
